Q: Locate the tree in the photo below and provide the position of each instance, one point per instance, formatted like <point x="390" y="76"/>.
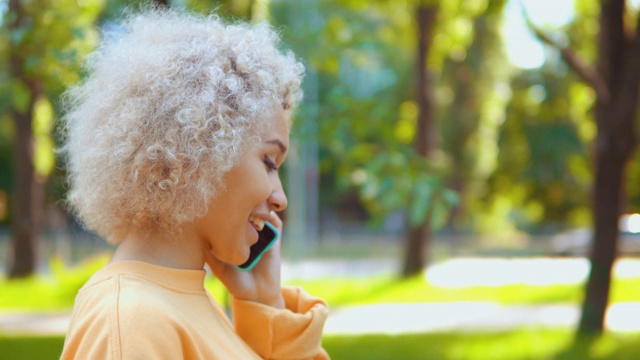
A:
<point x="615" y="81"/>
<point x="419" y="237"/>
<point x="365" y="57"/>
<point x="46" y="41"/>
<point x="468" y="70"/>
<point x="471" y="113"/>
<point x="28" y="193"/>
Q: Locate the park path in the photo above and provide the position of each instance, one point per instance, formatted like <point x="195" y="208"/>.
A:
<point x="400" y="318"/>
<point x="429" y="317"/>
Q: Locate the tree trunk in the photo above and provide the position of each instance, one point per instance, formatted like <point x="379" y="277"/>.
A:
<point x="619" y="67"/>
<point x="27" y="200"/>
<point x="607" y="204"/>
<point x="418" y="239"/>
<point x="426" y="135"/>
<point x="418" y="242"/>
<point x="28" y="193"/>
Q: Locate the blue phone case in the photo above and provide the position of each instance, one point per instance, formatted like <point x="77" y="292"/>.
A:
<point x="266" y="238"/>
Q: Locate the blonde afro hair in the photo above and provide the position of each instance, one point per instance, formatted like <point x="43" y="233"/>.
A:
<point x="164" y="112"/>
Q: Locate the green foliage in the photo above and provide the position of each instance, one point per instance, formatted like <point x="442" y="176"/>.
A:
<point x="360" y="61"/>
<point x="114" y="9"/>
<point x="43" y="122"/>
<point x="456" y="30"/>
<point x="543" y="165"/>
<point x="514" y="145"/>
<point x="583" y="31"/>
<point x="471" y="98"/>
<point x="512" y="167"/>
<point x="633" y="179"/>
<point x="543" y="175"/>
<point x="53" y="39"/>
<point x="391" y="182"/>
<point x="19" y="95"/>
<point x="45" y="49"/>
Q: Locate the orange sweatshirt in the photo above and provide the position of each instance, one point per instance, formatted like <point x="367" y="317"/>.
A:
<point x="135" y="310"/>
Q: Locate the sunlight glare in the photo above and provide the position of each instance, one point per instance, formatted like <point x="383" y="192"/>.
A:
<point x="630" y="223"/>
<point x="623" y="316"/>
<point x="523" y="49"/>
<point x="464" y="272"/>
<point x="499" y="272"/>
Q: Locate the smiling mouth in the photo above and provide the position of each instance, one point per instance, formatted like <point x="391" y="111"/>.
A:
<point x="256" y="222"/>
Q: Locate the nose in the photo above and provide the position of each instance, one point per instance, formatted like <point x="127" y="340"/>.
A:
<point x="278" y="199"/>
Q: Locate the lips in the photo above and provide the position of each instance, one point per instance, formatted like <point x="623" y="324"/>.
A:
<point x="256" y="222"/>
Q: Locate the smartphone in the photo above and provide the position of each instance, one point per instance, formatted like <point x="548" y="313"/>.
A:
<point x="266" y="238"/>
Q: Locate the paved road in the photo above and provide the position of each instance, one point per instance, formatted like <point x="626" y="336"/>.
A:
<point x="468" y="316"/>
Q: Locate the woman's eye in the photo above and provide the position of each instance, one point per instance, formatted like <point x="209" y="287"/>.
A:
<point x="271" y="166"/>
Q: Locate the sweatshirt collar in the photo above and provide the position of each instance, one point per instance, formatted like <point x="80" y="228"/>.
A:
<point x="177" y="279"/>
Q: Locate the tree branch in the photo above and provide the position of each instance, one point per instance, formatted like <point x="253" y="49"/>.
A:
<point x="587" y="73"/>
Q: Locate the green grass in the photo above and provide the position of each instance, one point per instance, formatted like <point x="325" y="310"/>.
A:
<point x="57" y="292"/>
<point x="349" y="291"/>
<point x="512" y="345"/>
<point x="30" y="347"/>
<point x="50" y="293"/>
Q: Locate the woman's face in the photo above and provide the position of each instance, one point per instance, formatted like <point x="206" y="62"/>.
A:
<point x="253" y="190"/>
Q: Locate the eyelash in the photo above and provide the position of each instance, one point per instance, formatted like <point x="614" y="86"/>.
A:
<point x="270" y="165"/>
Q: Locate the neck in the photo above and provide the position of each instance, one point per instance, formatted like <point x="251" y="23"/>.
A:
<point x="182" y="251"/>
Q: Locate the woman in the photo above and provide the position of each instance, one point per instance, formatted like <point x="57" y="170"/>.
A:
<point x="174" y="141"/>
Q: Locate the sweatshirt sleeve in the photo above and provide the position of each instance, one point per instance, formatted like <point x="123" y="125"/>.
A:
<point x="288" y="334"/>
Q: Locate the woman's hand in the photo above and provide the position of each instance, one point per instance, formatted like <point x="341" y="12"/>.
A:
<point x="260" y="284"/>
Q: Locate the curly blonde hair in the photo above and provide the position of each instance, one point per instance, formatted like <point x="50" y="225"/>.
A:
<point x="164" y="113"/>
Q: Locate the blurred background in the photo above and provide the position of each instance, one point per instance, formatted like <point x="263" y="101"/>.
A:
<point x="463" y="176"/>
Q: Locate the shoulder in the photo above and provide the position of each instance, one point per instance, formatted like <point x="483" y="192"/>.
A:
<point x="143" y="304"/>
<point x="113" y="312"/>
<point x="93" y="329"/>
<point x="119" y="300"/>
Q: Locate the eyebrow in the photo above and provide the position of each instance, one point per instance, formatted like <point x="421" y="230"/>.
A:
<point x="279" y="144"/>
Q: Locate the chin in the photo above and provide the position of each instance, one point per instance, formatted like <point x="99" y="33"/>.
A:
<point x="234" y="256"/>
<point x="242" y="256"/>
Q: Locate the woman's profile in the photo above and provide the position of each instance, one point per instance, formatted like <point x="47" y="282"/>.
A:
<point x="173" y="143"/>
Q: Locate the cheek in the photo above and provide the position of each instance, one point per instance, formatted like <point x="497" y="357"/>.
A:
<point x="257" y="195"/>
<point x="262" y="186"/>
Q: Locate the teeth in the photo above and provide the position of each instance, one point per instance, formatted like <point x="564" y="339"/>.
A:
<point x="257" y="223"/>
